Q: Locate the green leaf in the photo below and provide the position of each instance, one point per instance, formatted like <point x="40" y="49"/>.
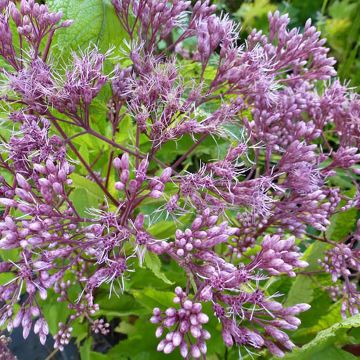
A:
<point x="125" y="130"/>
<point x="84" y="151"/>
<point x="95" y="22"/>
<point x="85" y="349"/>
<point x="12" y="254"/>
<point x="98" y="356"/>
<point x="141" y="345"/>
<point x="153" y="262"/>
<point x="163" y="229"/>
<point x="301" y="291"/>
<point x="321" y="308"/>
<point x="332" y="317"/>
<point x="82" y="201"/>
<point x="249" y="11"/>
<point x="334" y="334"/>
<point x="329" y="353"/>
<point x="80" y="331"/>
<point x="54" y="312"/>
<point x="125" y="328"/>
<point x="123" y="305"/>
<point x="92" y="188"/>
<point x="86" y="142"/>
<point x="150" y="298"/>
<point x="313" y="253"/>
<point x="341" y="224"/>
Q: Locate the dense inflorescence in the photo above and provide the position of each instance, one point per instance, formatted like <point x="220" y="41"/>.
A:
<point x="239" y="217"/>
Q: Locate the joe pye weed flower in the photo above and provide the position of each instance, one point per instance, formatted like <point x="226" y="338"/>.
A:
<point x="242" y="219"/>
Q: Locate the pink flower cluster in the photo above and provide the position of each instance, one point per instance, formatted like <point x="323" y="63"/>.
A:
<point x="246" y="210"/>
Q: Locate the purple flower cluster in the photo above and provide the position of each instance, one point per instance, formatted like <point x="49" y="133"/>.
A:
<point x="186" y="321"/>
<point x="343" y="261"/>
<point x="239" y="216"/>
<point x="237" y="297"/>
<point x="34" y="23"/>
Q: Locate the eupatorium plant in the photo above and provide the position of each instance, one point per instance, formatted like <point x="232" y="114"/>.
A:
<point x="234" y="146"/>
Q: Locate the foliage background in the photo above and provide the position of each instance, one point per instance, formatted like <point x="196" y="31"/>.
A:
<point x="323" y="334"/>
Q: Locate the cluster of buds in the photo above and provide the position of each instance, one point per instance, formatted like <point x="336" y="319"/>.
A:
<point x="156" y="185"/>
<point x="312" y="209"/>
<point x="272" y="334"/>
<point x="24" y="318"/>
<point x="185" y="242"/>
<point x="342" y="262"/>
<point x="99" y="326"/>
<point x="205" y="233"/>
<point x="7" y="49"/>
<point x="50" y="186"/>
<point x="53" y="182"/>
<point x="33" y="21"/>
<point x="41" y="328"/>
<point x="181" y="323"/>
<point x="321" y="65"/>
<point x="211" y="32"/>
<point x="156" y="18"/>
<point x="345" y="157"/>
<point x="61" y="289"/>
<point x="8" y="229"/>
<point x="62" y="337"/>
<point x="279" y="256"/>
<point x="132" y="186"/>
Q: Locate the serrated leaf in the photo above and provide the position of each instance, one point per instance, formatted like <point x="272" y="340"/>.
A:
<point x="324" y="322"/>
<point x="341" y="224"/>
<point x="153" y="262"/>
<point x="95" y="22"/>
<point x="334" y="334"/>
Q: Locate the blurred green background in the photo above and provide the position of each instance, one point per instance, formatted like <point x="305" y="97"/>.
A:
<point x="338" y="21"/>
